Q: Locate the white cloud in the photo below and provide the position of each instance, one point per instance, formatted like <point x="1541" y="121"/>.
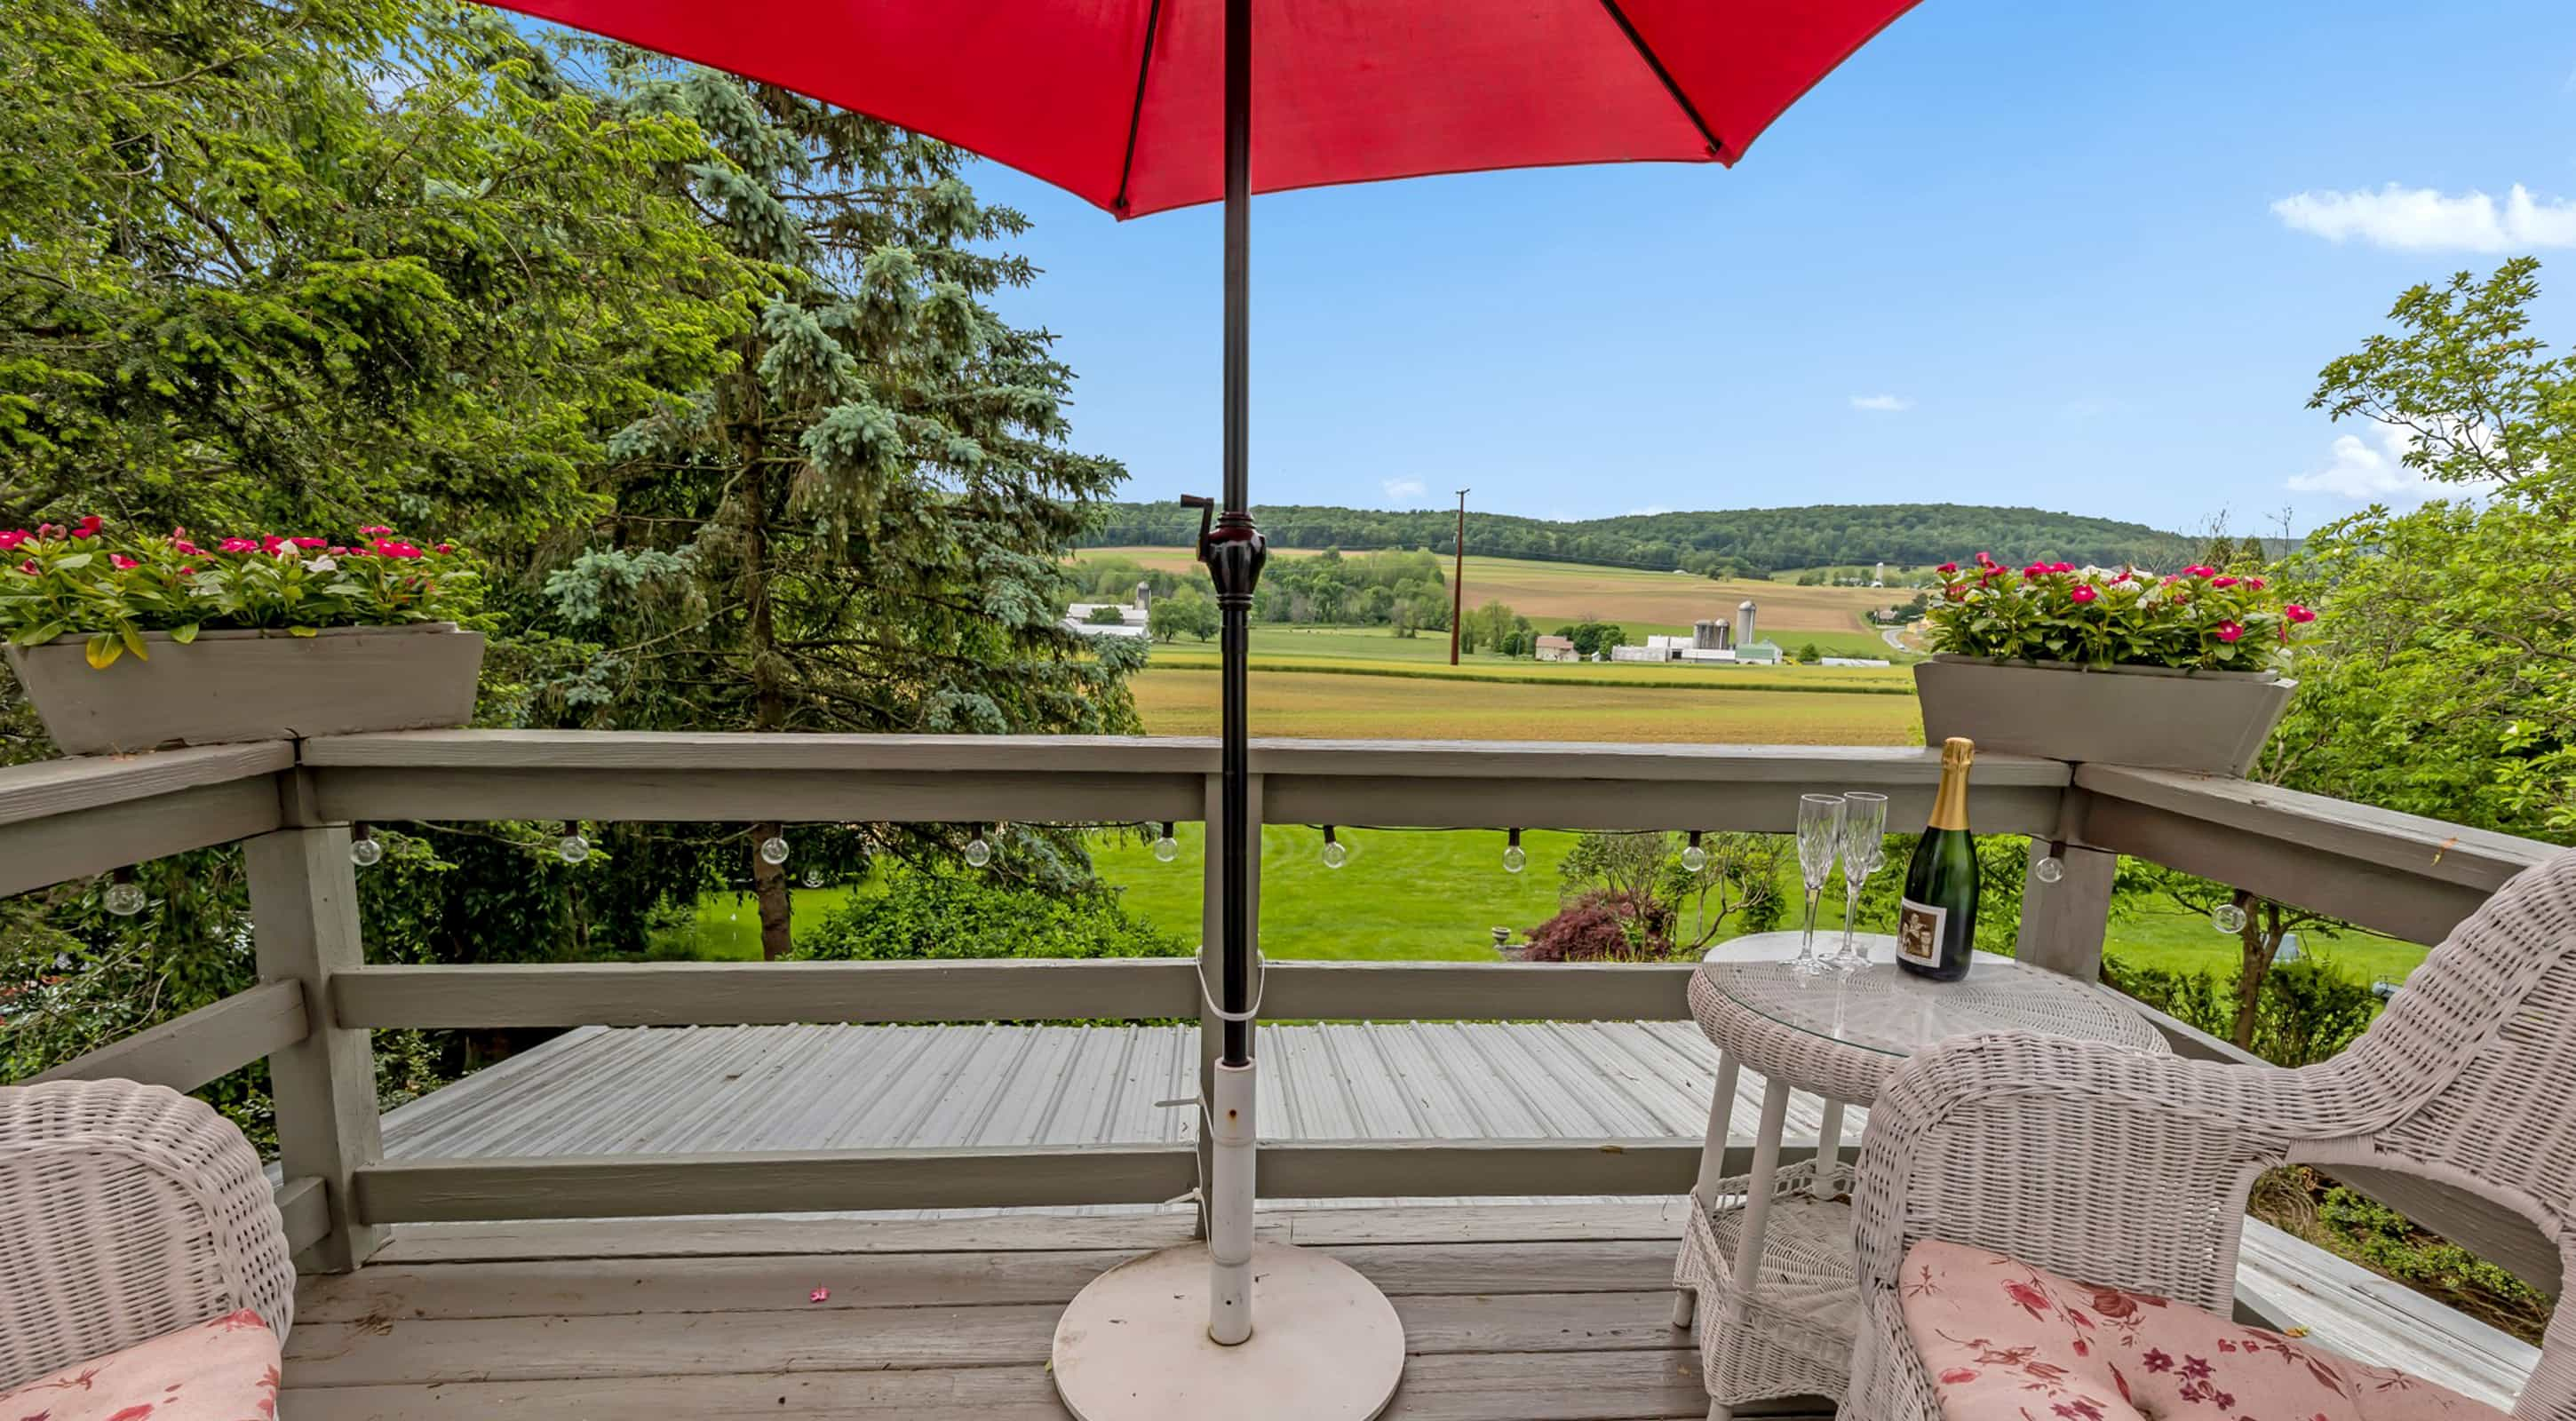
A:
<point x="1649" y="511"/>
<point x="1397" y="489"/>
<point x="2421" y="219"/>
<point x="1882" y="404"/>
<point x="2366" y="470"/>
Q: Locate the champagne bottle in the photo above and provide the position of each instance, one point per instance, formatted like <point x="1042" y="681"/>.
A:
<point x="1936" y="921"/>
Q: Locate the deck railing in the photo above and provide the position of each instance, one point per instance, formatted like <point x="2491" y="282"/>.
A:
<point x="292" y="804"/>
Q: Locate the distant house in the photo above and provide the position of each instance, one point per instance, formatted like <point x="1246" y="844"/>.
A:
<point x="1557" y="648"/>
<point x="1130" y="623"/>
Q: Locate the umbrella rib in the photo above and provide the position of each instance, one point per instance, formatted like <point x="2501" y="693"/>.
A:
<point x="1136" y="112"/>
<point x="1646" y="52"/>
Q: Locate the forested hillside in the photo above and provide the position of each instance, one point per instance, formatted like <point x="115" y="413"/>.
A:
<point x="1731" y="542"/>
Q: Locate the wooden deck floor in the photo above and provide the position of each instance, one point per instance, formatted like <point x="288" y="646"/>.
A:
<point x="1512" y="1313"/>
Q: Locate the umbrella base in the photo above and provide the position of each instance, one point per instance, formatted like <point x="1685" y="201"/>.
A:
<point x="1133" y="1346"/>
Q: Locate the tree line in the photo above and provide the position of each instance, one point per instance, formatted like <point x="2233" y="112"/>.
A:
<point x="1751" y="542"/>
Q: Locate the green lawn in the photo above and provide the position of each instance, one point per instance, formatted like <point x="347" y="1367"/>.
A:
<point x="1424" y="896"/>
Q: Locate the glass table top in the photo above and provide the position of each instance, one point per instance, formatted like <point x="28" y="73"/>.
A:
<point x="1895" y="1013"/>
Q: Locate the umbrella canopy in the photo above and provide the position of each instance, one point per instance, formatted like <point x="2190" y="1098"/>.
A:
<point x="1122" y="102"/>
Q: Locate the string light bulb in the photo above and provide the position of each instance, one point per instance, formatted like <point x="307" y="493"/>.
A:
<point x="1694" y="858"/>
<point x="773" y="850"/>
<point x="1514" y="859"/>
<point x="124" y="897"/>
<point x="1167" y="848"/>
<point x="364" y="851"/>
<point x="572" y="847"/>
<point x="814" y="877"/>
<point x="1334" y="854"/>
<point x="978" y="852"/>
<point x="2051" y="867"/>
<point x="2227" y="918"/>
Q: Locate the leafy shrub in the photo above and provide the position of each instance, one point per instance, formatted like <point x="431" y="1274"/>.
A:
<point x="2309" y="1009"/>
<point x="1605" y="925"/>
<point x="2198" y="619"/>
<point x="112" y="588"/>
<point x="926" y="913"/>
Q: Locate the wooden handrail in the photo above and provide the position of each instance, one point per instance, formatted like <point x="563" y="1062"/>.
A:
<point x="207" y="1044"/>
<point x="2401" y="874"/>
<point x="1004" y="989"/>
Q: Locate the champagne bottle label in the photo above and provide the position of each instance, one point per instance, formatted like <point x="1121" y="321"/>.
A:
<point x="1918" y="932"/>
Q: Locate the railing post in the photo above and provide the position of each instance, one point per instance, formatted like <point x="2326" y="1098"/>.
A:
<point x="2063" y="923"/>
<point x="304" y="917"/>
<point x="1211" y="934"/>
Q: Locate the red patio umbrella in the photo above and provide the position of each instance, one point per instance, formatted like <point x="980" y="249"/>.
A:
<point x="1138" y="106"/>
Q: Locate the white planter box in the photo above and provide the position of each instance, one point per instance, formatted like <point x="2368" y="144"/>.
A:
<point x="2150" y="716"/>
<point x="252" y="685"/>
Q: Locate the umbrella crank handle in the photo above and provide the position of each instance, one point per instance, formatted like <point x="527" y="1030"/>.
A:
<point x="1207" y="517"/>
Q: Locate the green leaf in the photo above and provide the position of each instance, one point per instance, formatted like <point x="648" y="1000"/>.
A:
<point x="184" y="635"/>
<point x="74" y="562"/>
<point x="134" y="642"/>
<point x="103" y="651"/>
<point x="303" y="631"/>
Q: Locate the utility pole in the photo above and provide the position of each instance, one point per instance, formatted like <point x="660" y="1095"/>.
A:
<point x="1458" y="579"/>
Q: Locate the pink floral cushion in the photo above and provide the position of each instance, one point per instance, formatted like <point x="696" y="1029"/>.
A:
<point x="224" y="1370"/>
<point x="2004" y="1341"/>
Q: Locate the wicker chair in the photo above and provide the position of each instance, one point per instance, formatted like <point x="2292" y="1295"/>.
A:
<point x="2129" y="1170"/>
<point x="127" y="1212"/>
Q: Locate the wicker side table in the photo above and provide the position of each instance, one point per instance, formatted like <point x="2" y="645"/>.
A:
<point x="1765" y="1272"/>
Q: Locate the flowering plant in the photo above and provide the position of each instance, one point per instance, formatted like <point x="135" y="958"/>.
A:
<point x="82" y="580"/>
<point x="2198" y="619"/>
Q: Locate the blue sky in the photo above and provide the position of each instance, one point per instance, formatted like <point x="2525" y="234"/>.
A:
<point x="2011" y="253"/>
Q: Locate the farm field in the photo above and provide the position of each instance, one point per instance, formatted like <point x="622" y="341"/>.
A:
<point x="1374" y="651"/>
<point x="1177" y="700"/>
<point x="1551" y="593"/>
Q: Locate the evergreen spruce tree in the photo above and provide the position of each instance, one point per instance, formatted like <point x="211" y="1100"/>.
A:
<point x="863" y="526"/>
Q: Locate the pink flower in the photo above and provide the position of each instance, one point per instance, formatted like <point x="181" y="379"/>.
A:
<point x="236" y="545"/>
<point x="339" y="552"/>
<point x="2297" y="613"/>
<point x="386" y="548"/>
<point x="1958" y="592"/>
<point x="188" y="571"/>
<point x="2229" y="631"/>
<point x="49" y="530"/>
<point x="2035" y="571"/>
<point x="184" y="546"/>
<point x="2083" y="594"/>
<point x="2222" y="582"/>
<point x="10" y="540"/>
<point x="28" y="567"/>
<point x="2061" y="567"/>
<point x="2254" y="584"/>
<point x="2199" y="570"/>
<point x="309" y="544"/>
<point x="377" y="531"/>
<point x="445" y="548"/>
<point x="1945" y="567"/>
<point x="270" y="542"/>
<point x="121" y="562"/>
<point x="819" y="1295"/>
<point x="89" y="527"/>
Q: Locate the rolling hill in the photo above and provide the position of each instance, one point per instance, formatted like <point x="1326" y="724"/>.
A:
<point x="1744" y="542"/>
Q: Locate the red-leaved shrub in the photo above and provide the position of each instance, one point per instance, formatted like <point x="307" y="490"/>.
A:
<point x="1605" y="925"/>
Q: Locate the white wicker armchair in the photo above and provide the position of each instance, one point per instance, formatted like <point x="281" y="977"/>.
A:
<point x="2129" y="1170"/>
<point x="127" y="1212"/>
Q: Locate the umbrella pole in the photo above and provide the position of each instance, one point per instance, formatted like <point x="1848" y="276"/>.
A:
<point x="1234" y="552"/>
<point x="1139" y="1343"/>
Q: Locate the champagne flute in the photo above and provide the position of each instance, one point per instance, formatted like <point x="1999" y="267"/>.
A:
<point x="1820" y="827"/>
<point x="1864" y="849"/>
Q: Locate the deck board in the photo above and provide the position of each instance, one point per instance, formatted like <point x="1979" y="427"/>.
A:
<point x="1512" y="1313"/>
<point x="683" y="1089"/>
